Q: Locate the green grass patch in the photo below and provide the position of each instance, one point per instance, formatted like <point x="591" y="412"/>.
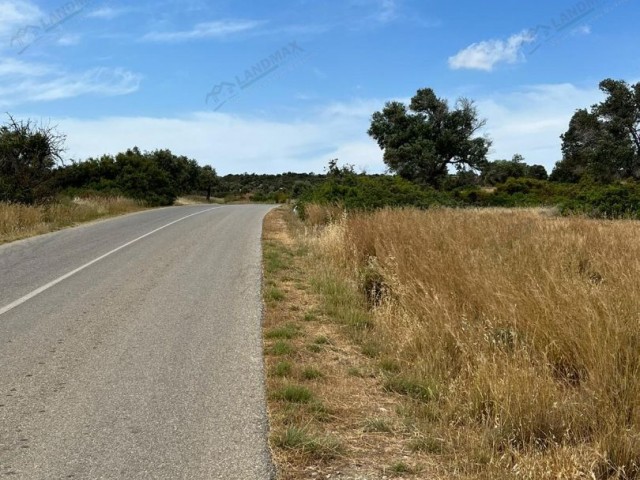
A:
<point x="274" y="294"/>
<point x="322" y="340"/>
<point x="284" y="332"/>
<point x="276" y="258"/>
<point x="300" y="439"/>
<point x="390" y="366"/>
<point x="310" y="317"/>
<point x="371" y="349"/>
<point x="311" y="373"/>
<point x="282" y="369"/>
<point x="294" y="394"/>
<point x="281" y="348"/>
<point x="342" y="304"/>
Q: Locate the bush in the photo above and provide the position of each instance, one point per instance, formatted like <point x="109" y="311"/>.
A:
<point x="370" y="192"/>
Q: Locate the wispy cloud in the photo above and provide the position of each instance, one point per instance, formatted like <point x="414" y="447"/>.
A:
<point x="215" y="29"/>
<point x="15" y="14"/>
<point x="68" y="40"/>
<point x="581" y="31"/>
<point x="388" y="11"/>
<point x="530" y="119"/>
<point x="487" y="54"/>
<point x="526" y="120"/>
<point x="106" y="13"/>
<point x="24" y="82"/>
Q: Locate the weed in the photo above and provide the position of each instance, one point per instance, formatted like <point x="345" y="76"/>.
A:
<point x="416" y="389"/>
<point x="285" y="332"/>
<point x="274" y="294"/>
<point x="390" y="366"/>
<point x="310" y="317"/>
<point x="310" y="373"/>
<point x="435" y="446"/>
<point x="295" y="438"/>
<point x="281" y="348"/>
<point x="378" y="425"/>
<point x="282" y="369"/>
<point x="294" y="394"/>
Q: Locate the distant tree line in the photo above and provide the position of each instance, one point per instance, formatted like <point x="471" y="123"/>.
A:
<point x="276" y="188"/>
<point x="32" y="171"/>
<point x="435" y="154"/>
<point x="439" y="148"/>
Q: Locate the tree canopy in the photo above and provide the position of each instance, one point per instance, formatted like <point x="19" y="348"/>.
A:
<point x="603" y="143"/>
<point x="421" y="142"/>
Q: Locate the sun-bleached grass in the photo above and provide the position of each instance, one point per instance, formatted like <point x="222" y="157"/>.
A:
<point x="21" y="221"/>
<point x="514" y="334"/>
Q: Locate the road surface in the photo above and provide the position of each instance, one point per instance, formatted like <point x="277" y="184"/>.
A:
<point x="131" y="348"/>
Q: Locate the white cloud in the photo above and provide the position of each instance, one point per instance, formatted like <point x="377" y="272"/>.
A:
<point x="233" y="143"/>
<point x="216" y="29"/>
<point x="106" y="13"/>
<point x="24" y="82"/>
<point x="68" y="40"/>
<point x="528" y="120"/>
<point x="531" y="119"/>
<point x="18" y="68"/>
<point x="16" y="14"/>
<point x="388" y="11"/>
<point x="485" y="55"/>
<point x="581" y="31"/>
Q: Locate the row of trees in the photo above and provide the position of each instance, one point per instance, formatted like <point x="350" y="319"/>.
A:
<point x="424" y="141"/>
<point x="156" y="177"/>
<point x="31" y="170"/>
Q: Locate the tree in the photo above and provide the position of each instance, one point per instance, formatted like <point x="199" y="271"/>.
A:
<point x="28" y="155"/>
<point x="499" y="171"/>
<point x="538" y="172"/>
<point x="603" y="143"/>
<point x="423" y="141"/>
<point x="208" y="179"/>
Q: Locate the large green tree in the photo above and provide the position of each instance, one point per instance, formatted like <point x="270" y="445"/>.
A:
<point x="604" y="142"/>
<point x="423" y="141"/>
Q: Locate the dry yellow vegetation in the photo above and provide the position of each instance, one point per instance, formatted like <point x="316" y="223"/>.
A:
<point x="512" y="336"/>
<point x="21" y="221"/>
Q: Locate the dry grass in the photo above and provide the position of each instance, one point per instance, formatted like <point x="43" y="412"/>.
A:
<point x="330" y="414"/>
<point x="513" y="336"/>
<point x="21" y="221"/>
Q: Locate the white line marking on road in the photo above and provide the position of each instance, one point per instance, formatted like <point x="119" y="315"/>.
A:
<point x="38" y="291"/>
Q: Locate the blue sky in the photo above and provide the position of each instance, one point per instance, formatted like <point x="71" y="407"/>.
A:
<point x="276" y="86"/>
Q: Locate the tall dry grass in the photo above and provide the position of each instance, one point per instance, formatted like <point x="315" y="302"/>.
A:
<point x="21" y="221"/>
<point x="522" y="328"/>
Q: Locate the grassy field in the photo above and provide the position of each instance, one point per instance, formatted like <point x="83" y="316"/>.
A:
<point x="21" y="221"/>
<point x="507" y="341"/>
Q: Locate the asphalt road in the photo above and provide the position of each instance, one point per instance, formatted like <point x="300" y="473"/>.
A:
<point x="131" y="348"/>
